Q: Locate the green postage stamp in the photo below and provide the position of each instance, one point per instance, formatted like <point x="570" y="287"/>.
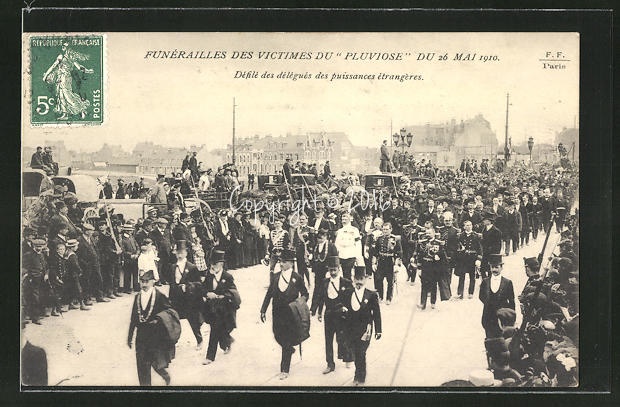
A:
<point x="66" y="74"/>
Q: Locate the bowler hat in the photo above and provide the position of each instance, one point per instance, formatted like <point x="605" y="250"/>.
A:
<point x="333" y="262"/>
<point x="495" y="259"/>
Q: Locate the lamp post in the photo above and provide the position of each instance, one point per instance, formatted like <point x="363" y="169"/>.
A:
<point x="530" y="144"/>
<point x="404" y="139"/>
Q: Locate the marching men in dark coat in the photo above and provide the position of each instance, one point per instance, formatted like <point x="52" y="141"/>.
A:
<point x="468" y="259"/>
<point x="363" y="312"/>
<point x="154" y="347"/>
<point x="323" y="250"/>
<point x="491" y="242"/>
<point x="386" y="251"/>
<point x="285" y="287"/>
<point x="220" y="308"/>
<point x="495" y="292"/>
<point x="162" y="238"/>
<point x="331" y="293"/>
<point x="185" y="290"/>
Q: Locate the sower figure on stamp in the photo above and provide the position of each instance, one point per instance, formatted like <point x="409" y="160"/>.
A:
<point x="331" y="293"/>
<point x="285" y="287"/>
<point x="220" y="308"/>
<point x="157" y="328"/>
<point x="362" y="313"/>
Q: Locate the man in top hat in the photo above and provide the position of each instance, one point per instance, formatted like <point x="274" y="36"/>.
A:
<point x="322" y="251"/>
<point x="162" y="239"/>
<point x="491" y="241"/>
<point x="221" y="301"/>
<point x="327" y="172"/>
<point x="88" y="256"/>
<point x="495" y="292"/>
<point x="131" y="251"/>
<point x="184" y="273"/>
<point x="362" y="314"/>
<point x="302" y="239"/>
<point x="512" y="226"/>
<point x="386" y="252"/>
<point x="153" y="348"/>
<point x="472" y="215"/>
<point x="331" y="294"/>
<point x="468" y="258"/>
<point x="285" y="287"/>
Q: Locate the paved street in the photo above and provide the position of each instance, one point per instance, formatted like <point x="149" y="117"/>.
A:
<point x="418" y="348"/>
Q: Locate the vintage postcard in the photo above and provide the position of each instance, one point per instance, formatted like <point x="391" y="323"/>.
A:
<point x="288" y="209"/>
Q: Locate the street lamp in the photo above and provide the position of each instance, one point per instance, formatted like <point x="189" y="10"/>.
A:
<point x="404" y="139"/>
<point x="530" y="144"/>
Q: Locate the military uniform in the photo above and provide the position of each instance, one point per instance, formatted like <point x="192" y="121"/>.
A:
<point x="450" y="236"/>
<point x="433" y="262"/>
<point x="470" y="250"/>
<point x="386" y="250"/>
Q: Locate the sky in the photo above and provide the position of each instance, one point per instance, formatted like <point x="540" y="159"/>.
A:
<point x="179" y="102"/>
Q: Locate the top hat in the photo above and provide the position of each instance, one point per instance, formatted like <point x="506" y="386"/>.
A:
<point x="287" y="255"/>
<point x="218" y="256"/>
<point x="495" y="259"/>
<point x="181" y="245"/>
<point x="333" y="262"/>
<point x="359" y="272"/>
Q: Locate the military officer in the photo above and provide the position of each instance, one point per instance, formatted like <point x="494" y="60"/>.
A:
<point x="433" y="263"/>
<point x="449" y="235"/>
<point x="386" y="251"/>
<point x="331" y="294"/>
<point x="468" y="258"/>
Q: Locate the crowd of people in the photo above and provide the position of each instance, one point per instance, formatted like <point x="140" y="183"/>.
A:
<point x="457" y="225"/>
